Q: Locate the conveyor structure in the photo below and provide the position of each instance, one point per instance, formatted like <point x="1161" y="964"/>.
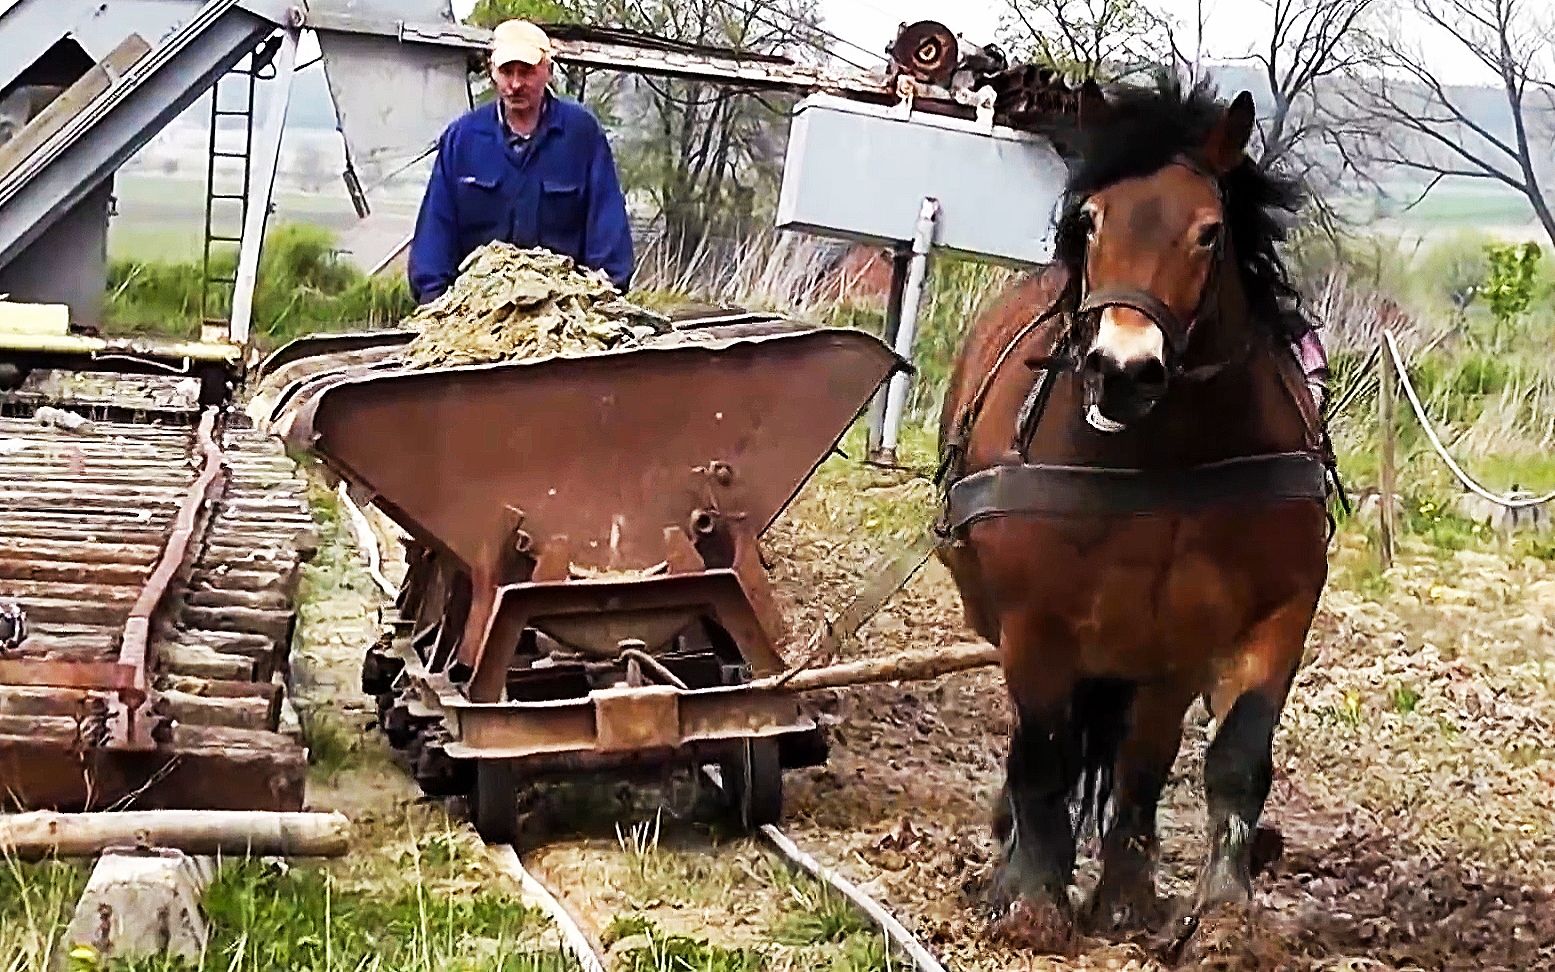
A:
<point x="85" y="84"/>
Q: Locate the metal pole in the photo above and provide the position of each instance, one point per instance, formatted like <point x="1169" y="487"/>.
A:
<point x="257" y="205"/>
<point x="896" y="399"/>
<point x="901" y="261"/>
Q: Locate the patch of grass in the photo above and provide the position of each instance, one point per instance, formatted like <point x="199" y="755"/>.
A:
<point x="818" y="916"/>
<point x="36" y="901"/>
<point x="303" y="286"/>
<point x="671" y="876"/>
<point x="1430" y="520"/>
<point x="1405" y="698"/>
<point x="334" y="745"/>
<point x="304" y="919"/>
<point x="653" y="950"/>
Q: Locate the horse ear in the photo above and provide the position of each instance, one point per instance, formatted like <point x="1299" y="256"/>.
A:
<point x="1225" y="145"/>
<point x="1093" y="104"/>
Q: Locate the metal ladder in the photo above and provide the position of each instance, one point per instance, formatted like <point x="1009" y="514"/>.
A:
<point x="224" y="228"/>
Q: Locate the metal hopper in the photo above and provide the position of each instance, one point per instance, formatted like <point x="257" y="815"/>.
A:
<point x="583" y="527"/>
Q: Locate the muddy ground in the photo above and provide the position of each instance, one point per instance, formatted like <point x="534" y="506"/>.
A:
<point x="1415" y="774"/>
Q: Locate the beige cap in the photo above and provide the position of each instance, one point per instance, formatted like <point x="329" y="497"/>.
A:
<point x="519" y="40"/>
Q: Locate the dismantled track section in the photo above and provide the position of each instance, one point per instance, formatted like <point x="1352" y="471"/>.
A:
<point x="156" y="565"/>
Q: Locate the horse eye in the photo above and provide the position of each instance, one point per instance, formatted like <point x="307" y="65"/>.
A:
<point x="1209" y="235"/>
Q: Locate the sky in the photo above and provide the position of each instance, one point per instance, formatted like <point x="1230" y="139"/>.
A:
<point x="1232" y="28"/>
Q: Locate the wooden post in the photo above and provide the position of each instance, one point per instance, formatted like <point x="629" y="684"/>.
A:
<point x="1387" y="485"/>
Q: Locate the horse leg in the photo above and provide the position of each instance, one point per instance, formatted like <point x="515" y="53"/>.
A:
<point x="1239" y="764"/>
<point x="1125" y="898"/>
<point x="1032" y="824"/>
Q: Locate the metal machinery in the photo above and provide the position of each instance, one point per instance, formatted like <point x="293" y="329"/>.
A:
<point x="585" y="591"/>
<point x="87" y="83"/>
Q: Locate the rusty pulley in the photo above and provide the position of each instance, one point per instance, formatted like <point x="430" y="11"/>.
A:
<point x="928" y="51"/>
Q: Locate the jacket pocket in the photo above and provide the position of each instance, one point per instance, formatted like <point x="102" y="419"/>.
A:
<point x="562" y="215"/>
<point x="481" y="207"/>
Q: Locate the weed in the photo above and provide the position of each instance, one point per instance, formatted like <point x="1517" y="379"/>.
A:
<point x="301" y="919"/>
<point x="1405" y="699"/>
<point x="661" y="952"/>
<point x="333" y="743"/>
<point x="821" y="916"/>
<point x="36" y="901"/>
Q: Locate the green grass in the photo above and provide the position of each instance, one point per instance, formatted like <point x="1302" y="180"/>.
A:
<point x="303" y="920"/>
<point x="303" y="287"/>
<point x="36" y="901"/>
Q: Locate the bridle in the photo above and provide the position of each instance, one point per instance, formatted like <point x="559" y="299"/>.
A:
<point x="1088" y="305"/>
<point x="1176" y="331"/>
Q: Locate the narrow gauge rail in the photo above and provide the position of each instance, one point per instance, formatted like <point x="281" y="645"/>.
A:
<point x="154" y="552"/>
<point x="370" y="544"/>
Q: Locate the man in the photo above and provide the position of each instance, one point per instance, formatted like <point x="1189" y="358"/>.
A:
<point x="533" y="169"/>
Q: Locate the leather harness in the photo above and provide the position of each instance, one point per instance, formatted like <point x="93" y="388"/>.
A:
<point x="1019" y="487"/>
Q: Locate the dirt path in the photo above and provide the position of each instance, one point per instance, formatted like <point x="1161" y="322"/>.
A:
<point x="1415" y="777"/>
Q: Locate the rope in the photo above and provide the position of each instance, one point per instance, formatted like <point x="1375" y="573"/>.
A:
<point x="1510" y="501"/>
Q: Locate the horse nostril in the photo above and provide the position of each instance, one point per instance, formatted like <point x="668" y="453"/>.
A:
<point x="1149" y="374"/>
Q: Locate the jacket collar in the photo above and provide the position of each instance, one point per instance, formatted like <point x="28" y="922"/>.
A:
<point x="550" y="118"/>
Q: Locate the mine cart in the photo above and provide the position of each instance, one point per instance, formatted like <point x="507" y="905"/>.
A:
<point x="585" y="589"/>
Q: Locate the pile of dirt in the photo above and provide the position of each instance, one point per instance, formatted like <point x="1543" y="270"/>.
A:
<point x="512" y="304"/>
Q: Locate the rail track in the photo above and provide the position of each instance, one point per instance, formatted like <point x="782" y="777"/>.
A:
<point x="154" y="550"/>
<point x="371" y="544"/>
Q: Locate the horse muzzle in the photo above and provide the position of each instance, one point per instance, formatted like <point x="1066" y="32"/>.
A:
<point x="1118" y="394"/>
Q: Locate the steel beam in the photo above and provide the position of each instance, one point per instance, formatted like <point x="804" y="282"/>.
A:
<point x="615" y="56"/>
<point x="96" y="142"/>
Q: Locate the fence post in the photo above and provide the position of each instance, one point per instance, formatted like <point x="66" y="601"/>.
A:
<point x="1387" y="475"/>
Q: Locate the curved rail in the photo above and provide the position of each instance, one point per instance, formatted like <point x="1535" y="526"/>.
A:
<point x="894" y="931"/>
<point x="136" y="644"/>
<point x="573" y="938"/>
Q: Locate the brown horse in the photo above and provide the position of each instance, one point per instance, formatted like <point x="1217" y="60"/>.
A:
<point x="1136" y="503"/>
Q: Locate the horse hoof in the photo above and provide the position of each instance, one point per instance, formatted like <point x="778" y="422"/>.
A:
<point x="1268" y="846"/>
<point x="1174" y="939"/>
<point x="1043" y="927"/>
<point x="1123" y="912"/>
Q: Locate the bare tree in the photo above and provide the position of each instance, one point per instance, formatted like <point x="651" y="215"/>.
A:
<point x="1312" y="41"/>
<point x="710" y="156"/>
<point x="1110" y="40"/>
<point x="1413" y="120"/>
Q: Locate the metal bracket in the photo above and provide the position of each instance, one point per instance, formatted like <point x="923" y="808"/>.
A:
<point x="984" y="101"/>
<point x="906" y="91"/>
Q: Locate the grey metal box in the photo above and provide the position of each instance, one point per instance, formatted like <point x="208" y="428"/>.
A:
<point x="860" y="172"/>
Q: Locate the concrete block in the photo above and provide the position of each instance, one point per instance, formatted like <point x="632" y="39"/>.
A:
<point x="142" y="903"/>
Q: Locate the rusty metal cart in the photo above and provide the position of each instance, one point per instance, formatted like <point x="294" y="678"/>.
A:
<point x="585" y="589"/>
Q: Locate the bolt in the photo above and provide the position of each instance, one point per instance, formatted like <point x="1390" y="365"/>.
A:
<point x="703" y="522"/>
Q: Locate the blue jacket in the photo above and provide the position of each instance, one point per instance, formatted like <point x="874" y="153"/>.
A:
<point x="561" y="194"/>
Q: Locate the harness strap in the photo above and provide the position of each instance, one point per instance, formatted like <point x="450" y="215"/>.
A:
<point x="1062" y="490"/>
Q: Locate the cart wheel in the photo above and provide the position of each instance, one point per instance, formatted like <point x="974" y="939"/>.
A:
<point x="753" y="782"/>
<point x="496" y="801"/>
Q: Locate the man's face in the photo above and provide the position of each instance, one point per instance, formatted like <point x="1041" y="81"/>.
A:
<point x="521" y="86"/>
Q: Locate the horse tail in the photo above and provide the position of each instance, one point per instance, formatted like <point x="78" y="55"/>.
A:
<point x="1098" y="720"/>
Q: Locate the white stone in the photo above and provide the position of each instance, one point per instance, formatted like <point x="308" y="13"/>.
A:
<point x="139" y="904"/>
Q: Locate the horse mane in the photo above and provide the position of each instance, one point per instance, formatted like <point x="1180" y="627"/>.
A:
<point x="1145" y="129"/>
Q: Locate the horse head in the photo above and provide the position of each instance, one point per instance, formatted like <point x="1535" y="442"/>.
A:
<point x="1145" y="236"/>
